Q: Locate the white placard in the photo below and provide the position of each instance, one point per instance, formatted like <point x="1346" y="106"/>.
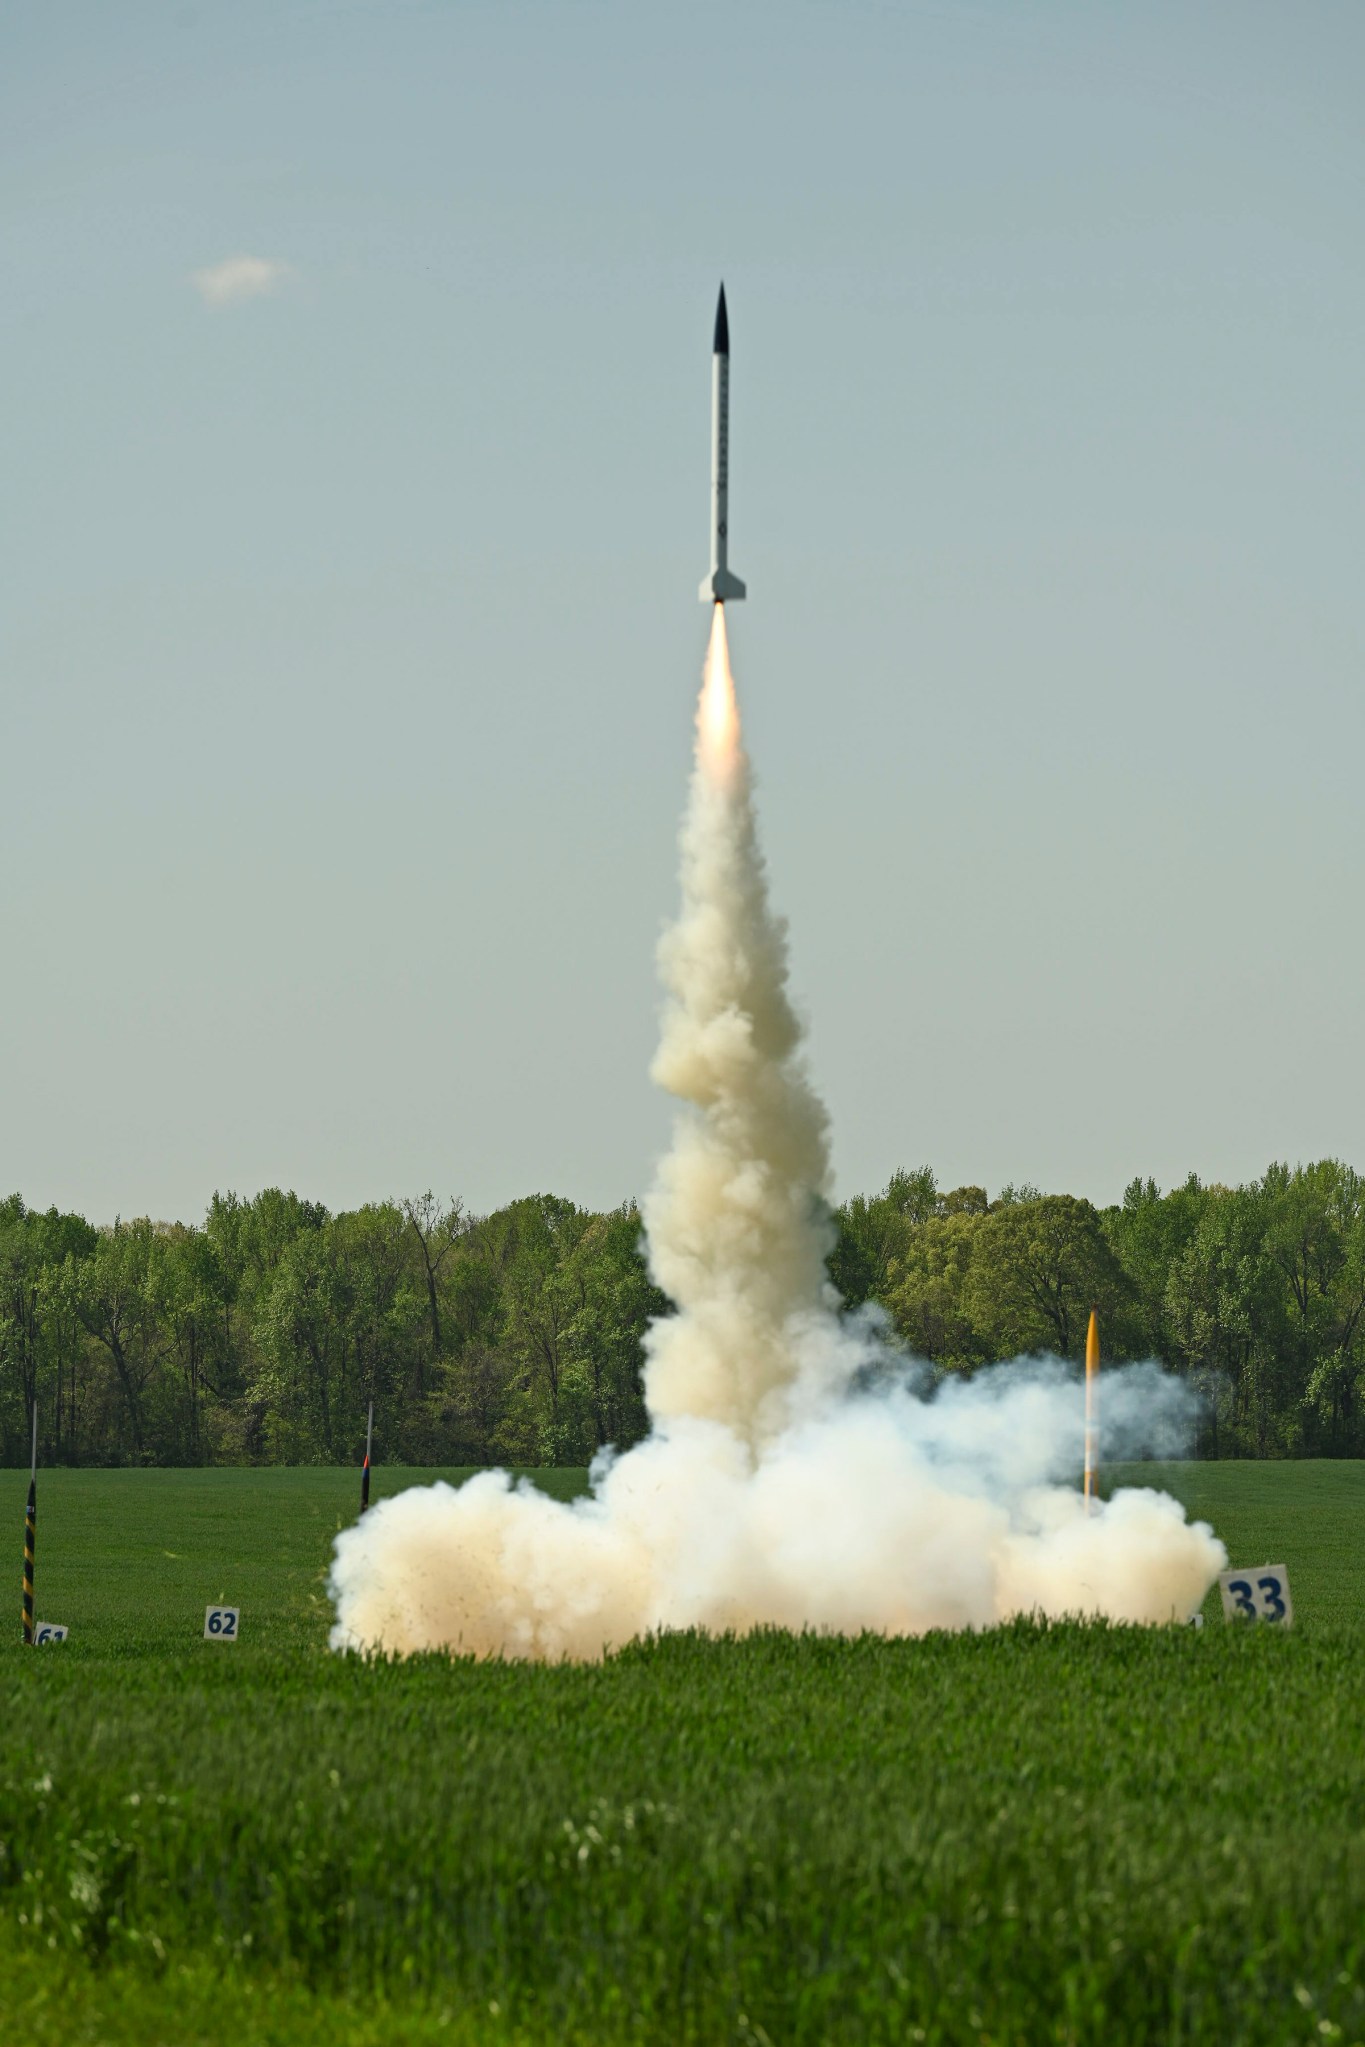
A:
<point x="1259" y="1594"/>
<point x="48" y="1631"/>
<point x="220" y="1623"/>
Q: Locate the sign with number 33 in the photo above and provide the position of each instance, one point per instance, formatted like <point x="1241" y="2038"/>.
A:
<point x="1258" y="1595"/>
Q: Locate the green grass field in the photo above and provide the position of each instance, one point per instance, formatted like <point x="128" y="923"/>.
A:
<point x="1308" y="1516"/>
<point x="1039" y="1834"/>
<point x="129" y="1559"/>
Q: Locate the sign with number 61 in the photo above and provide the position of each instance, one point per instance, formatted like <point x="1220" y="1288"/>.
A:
<point x="1259" y="1595"/>
<point x="220" y="1623"/>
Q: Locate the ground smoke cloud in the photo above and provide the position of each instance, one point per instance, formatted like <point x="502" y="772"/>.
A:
<point x="796" y="1474"/>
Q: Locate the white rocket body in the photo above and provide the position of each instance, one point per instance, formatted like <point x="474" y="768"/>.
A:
<point x="720" y="586"/>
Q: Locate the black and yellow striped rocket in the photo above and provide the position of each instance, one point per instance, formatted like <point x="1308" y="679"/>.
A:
<point x="30" y="1532"/>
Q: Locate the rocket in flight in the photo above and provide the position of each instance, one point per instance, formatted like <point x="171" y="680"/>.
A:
<point x="720" y="587"/>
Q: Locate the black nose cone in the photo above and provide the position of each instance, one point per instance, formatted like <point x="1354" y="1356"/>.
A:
<point x="721" y="344"/>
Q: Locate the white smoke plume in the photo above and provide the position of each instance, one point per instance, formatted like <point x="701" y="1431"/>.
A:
<point x="794" y="1475"/>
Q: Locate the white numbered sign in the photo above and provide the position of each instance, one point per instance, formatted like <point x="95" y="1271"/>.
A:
<point x="1261" y="1594"/>
<point x="220" y="1623"/>
<point x="48" y="1631"/>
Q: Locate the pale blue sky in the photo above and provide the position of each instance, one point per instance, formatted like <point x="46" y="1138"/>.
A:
<point x="349" y="636"/>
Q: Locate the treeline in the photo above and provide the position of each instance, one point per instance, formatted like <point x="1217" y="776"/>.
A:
<point x="1255" y="1294"/>
<point x="262" y="1334"/>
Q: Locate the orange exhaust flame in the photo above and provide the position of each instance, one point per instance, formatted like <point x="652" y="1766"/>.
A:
<point x="717" y="711"/>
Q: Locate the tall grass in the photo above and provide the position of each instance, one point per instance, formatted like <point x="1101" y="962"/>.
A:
<point x="1069" y="1834"/>
<point x="1102" y="1832"/>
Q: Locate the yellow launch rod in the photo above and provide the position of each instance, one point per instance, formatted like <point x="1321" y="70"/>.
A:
<point x="1092" y="1389"/>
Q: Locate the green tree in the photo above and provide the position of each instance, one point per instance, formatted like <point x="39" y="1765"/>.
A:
<point x="601" y="1393"/>
<point x="1315" y="1236"/>
<point x="1149" y="1231"/>
<point x="117" y="1299"/>
<point x="40" y="1339"/>
<point x="925" y="1292"/>
<point x="535" y="1241"/>
<point x="874" y="1230"/>
<point x="437" y="1231"/>
<point x="1225" y="1309"/>
<point x="337" y="1327"/>
<point x="185" y="1290"/>
<point x="1037" y="1268"/>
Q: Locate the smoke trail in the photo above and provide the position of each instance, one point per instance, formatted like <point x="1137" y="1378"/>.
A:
<point x="736" y="1236"/>
<point x="770" y="1490"/>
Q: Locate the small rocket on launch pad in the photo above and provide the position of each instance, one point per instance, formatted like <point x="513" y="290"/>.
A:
<point x="720" y="587"/>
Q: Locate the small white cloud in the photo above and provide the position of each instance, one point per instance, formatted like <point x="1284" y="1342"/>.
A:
<point x="239" y="277"/>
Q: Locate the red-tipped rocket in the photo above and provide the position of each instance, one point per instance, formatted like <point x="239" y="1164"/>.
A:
<point x="365" y="1471"/>
<point x="720" y="587"/>
<point x="30" y="1531"/>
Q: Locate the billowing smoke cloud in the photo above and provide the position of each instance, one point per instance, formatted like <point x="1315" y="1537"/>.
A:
<point x="797" y="1473"/>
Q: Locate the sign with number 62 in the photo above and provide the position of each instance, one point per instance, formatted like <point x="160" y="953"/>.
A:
<point x="220" y="1623"/>
<point x="1261" y="1594"/>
